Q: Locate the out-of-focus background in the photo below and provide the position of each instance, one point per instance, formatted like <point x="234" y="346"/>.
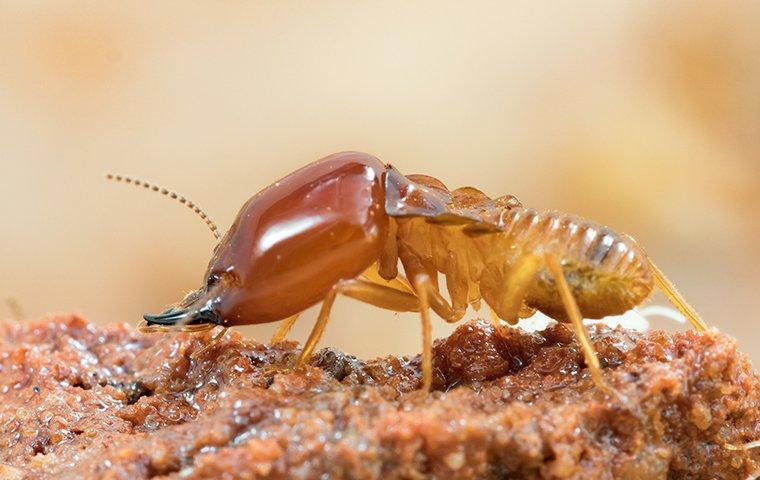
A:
<point x="642" y="115"/>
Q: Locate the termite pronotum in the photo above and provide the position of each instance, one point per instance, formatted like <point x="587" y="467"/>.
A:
<point x="342" y="224"/>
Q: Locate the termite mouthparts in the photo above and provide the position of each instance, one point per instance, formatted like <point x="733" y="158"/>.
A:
<point x="173" y="315"/>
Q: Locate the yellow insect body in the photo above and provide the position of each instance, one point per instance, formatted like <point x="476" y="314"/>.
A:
<point x="607" y="272"/>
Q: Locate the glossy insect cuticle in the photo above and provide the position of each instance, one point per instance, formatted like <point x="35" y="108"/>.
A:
<point x="343" y="224"/>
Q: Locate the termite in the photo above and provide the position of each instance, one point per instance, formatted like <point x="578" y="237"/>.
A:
<point x="340" y="226"/>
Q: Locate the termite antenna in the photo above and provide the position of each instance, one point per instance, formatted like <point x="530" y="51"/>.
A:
<point x="164" y="191"/>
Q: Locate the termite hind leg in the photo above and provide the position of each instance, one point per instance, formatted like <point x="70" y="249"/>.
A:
<point x="677" y="299"/>
<point x="589" y="353"/>
<point x="283" y="329"/>
<point x="364" y="291"/>
<point x="574" y="315"/>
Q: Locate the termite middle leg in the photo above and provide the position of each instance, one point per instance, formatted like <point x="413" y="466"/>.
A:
<point x="423" y="284"/>
<point x="367" y="292"/>
<point x="430" y="297"/>
<point x="574" y="315"/>
<point x="421" y="277"/>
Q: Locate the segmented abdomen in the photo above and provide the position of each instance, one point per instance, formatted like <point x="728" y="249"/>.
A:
<point x="608" y="272"/>
<point x="478" y="244"/>
<point x="574" y="240"/>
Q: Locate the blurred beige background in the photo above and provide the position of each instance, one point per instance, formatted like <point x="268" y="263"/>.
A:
<point x="642" y="115"/>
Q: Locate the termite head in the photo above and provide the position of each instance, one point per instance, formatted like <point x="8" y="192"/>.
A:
<point x="202" y="317"/>
<point x="290" y="244"/>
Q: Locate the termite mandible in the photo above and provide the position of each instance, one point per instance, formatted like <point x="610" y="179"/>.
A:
<point x="342" y="224"/>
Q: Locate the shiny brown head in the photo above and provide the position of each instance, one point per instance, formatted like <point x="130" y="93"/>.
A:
<point x="290" y="243"/>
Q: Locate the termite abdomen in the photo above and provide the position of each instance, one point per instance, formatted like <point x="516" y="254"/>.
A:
<point x="608" y="273"/>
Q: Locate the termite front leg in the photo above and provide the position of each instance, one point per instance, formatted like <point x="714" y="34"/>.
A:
<point x="367" y="292"/>
<point x="574" y="315"/>
<point x="319" y="327"/>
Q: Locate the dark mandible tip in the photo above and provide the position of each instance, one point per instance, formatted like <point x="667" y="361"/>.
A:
<point x="184" y="316"/>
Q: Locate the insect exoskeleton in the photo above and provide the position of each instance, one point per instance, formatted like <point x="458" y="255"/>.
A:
<point x="489" y="245"/>
<point x="341" y="225"/>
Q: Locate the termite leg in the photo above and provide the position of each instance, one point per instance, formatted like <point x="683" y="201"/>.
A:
<point x="319" y="327"/>
<point x="364" y="291"/>
<point x="458" y="285"/>
<point x="441" y="306"/>
<point x="526" y="311"/>
<point x="429" y="296"/>
<point x="574" y="315"/>
<point x="422" y="283"/>
<point x="387" y="265"/>
<point x="494" y="317"/>
<point x="521" y="276"/>
<point x="284" y="328"/>
<point x="746" y="446"/>
<point x="419" y="277"/>
<point x="399" y="283"/>
<point x="210" y="344"/>
<point x="423" y="286"/>
<point x="677" y="299"/>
